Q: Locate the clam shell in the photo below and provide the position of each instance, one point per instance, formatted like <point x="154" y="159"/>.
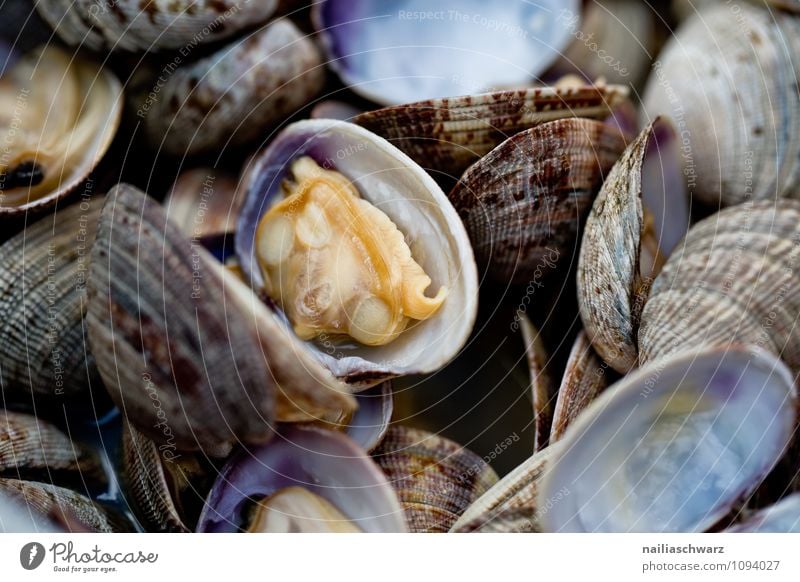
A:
<point x="89" y="95"/>
<point x="448" y="135"/>
<point x="326" y="463"/>
<point x="388" y="179"/>
<point x="783" y="517"/>
<point x="523" y="204"/>
<point x="154" y="25"/>
<point x="733" y="280"/>
<point x="371" y="420"/>
<point x="728" y="78"/>
<point x="672" y="446"/>
<point x="636" y="221"/>
<point x="237" y="94"/>
<point x="435" y="478"/>
<point x="543" y="389"/>
<point x="204" y="202"/>
<point x="42" y="304"/>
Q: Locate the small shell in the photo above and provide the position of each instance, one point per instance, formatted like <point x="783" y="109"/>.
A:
<point x="543" y="389"/>
<point x="435" y="478"/>
<point x="237" y="94"/>
<point x="42" y="304"/>
<point x="733" y="280"/>
<point x="673" y="446"/>
<point x="371" y="421"/>
<point x="585" y="377"/>
<point x="151" y="25"/>
<point x="524" y="202"/>
<point x="728" y="78"/>
<point x="447" y="135"/>
<point x="637" y="219"/>
<point x="204" y="202"/>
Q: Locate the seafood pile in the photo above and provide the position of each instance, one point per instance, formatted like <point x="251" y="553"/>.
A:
<point x="364" y="266"/>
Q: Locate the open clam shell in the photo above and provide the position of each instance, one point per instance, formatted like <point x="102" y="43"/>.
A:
<point x="450" y="47"/>
<point x="637" y="219"/>
<point x="394" y="184"/>
<point x="58" y="116"/>
<point x="327" y="464"/>
<point x="435" y="478"/>
<point x="733" y="280"/>
<point x="674" y="445"/>
<point x="43" y="277"/>
<point x="153" y="25"/>
<point x="783" y="517"/>
<point x="234" y="95"/>
<point x="371" y="420"/>
<point x="728" y="79"/>
<point x="523" y="204"/>
<point x="448" y="135"/>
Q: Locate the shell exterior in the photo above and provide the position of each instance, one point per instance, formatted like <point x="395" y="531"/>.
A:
<point x="390" y="56"/>
<point x="63" y="148"/>
<point x="75" y="512"/>
<point x="728" y="79"/>
<point x="43" y="277"/>
<point x="391" y="181"/>
<point x="511" y="503"/>
<point x="783" y="517"/>
<point x="523" y="204"/>
<point x="31" y="448"/>
<point x="585" y="377"/>
<point x="673" y="446"/>
<point x="16" y="517"/>
<point x="733" y="280"/>
<point x="151" y="25"/>
<point x="448" y="135"/>
<point x="435" y="478"/>
<point x="327" y="464"/>
<point x="237" y="94"/>
<point x="204" y="202"/>
<point x="165" y="489"/>
<point x="371" y="420"/>
<point x="172" y="355"/>
<point x="636" y="221"/>
<point x="543" y="389"/>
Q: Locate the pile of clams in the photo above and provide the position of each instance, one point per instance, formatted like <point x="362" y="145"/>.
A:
<point x="399" y="266"/>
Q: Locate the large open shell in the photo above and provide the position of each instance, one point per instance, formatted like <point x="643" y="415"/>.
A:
<point x="447" y="135"/>
<point x="673" y="446"/>
<point x="524" y="203"/>
<point x="637" y="219"/>
<point x="452" y="47"/>
<point x="392" y="182"/>
<point x="67" y="109"/>
<point x="734" y="279"/>
<point x="236" y="94"/>
<point x="728" y="78"/>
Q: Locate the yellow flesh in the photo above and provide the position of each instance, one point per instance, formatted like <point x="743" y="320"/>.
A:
<point x="297" y="510"/>
<point x="52" y="109"/>
<point x="337" y="264"/>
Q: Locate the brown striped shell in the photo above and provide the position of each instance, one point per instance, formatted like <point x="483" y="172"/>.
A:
<point x="42" y="305"/>
<point x="235" y="95"/>
<point x="523" y="204"/>
<point x="447" y="135"/>
<point x="150" y="25"/>
<point x="543" y="389"/>
<point x="636" y="220"/>
<point x="734" y="280"/>
<point x="728" y="77"/>
<point x="435" y="478"/>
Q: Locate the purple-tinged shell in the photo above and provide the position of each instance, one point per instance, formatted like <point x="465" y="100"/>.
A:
<point x="371" y="420"/>
<point x="783" y="517"/>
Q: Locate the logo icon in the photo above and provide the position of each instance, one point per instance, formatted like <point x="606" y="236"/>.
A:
<point x="31" y="555"/>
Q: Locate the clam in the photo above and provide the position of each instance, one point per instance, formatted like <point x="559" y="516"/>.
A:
<point x="236" y="94"/>
<point x="154" y="25"/>
<point x="58" y="116"/>
<point x="43" y="304"/>
<point x="673" y="446"/>
<point x="733" y="280"/>
<point x="727" y="78"/>
<point x="543" y="388"/>
<point x="447" y="135"/>
<point x="370" y="421"/>
<point x="408" y="51"/>
<point x="435" y="478"/>
<point x="523" y="204"/>
<point x="204" y="202"/>
<point x="360" y="251"/>
<point x="783" y="517"/>
<point x="305" y="479"/>
<point x="182" y="343"/>
<point x="636" y="221"/>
